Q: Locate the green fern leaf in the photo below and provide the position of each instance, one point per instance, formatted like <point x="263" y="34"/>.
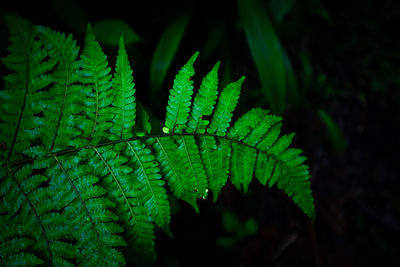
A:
<point x="150" y="184"/>
<point x="193" y="164"/>
<point x="60" y="102"/>
<point x="245" y="124"/>
<point x="120" y="184"/>
<point x="180" y="97"/>
<point x="208" y="152"/>
<point x="79" y="181"/>
<point x="96" y="79"/>
<point x="174" y="170"/>
<point x="204" y="101"/>
<point x="22" y="99"/>
<point x="224" y="111"/>
<point x="124" y="101"/>
<point x="222" y="167"/>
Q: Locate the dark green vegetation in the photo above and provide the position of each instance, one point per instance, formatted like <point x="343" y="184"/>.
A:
<point x="338" y="89"/>
<point x="80" y="178"/>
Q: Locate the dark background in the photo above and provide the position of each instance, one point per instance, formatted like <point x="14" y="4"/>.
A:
<point x="352" y="49"/>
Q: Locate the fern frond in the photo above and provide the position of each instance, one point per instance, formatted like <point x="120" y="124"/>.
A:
<point x="60" y="109"/>
<point x="96" y="79"/>
<point x="87" y="213"/>
<point x="23" y="98"/>
<point x="117" y="179"/>
<point x="221" y="166"/>
<point x="192" y="163"/>
<point x="85" y="219"/>
<point x="174" y="169"/>
<point x="149" y="183"/>
<point x="204" y="101"/>
<point x="124" y="100"/>
<point x="245" y="124"/>
<point x="78" y="182"/>
<point x="208" y="153"/>
<point x="180" y="97"/>
<point x="226" y="105"/>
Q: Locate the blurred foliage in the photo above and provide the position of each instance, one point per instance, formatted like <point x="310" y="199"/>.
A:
<point x="279" y="8"/>
<point x="312" y="82"/>
<point x="334" y="133"/>
<point x="254" y="29"/>
<point x="266" y="51"/>
<point x="108" y="31"/>
<point x="63" y="10"/>
<point x="166" y="49"/>
<point x="237" y="230"/>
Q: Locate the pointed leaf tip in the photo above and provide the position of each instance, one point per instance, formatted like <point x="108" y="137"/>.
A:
<point x="193" y="203"/>
<point x="166" y="228"/>
<point x="241" y="80"/>
<point x="193" y="58"/>
<point x="121" y="42"/>
<point x="89" y="28"/>
<point x="89" y="33"/>
<point x="216" y="66"/>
